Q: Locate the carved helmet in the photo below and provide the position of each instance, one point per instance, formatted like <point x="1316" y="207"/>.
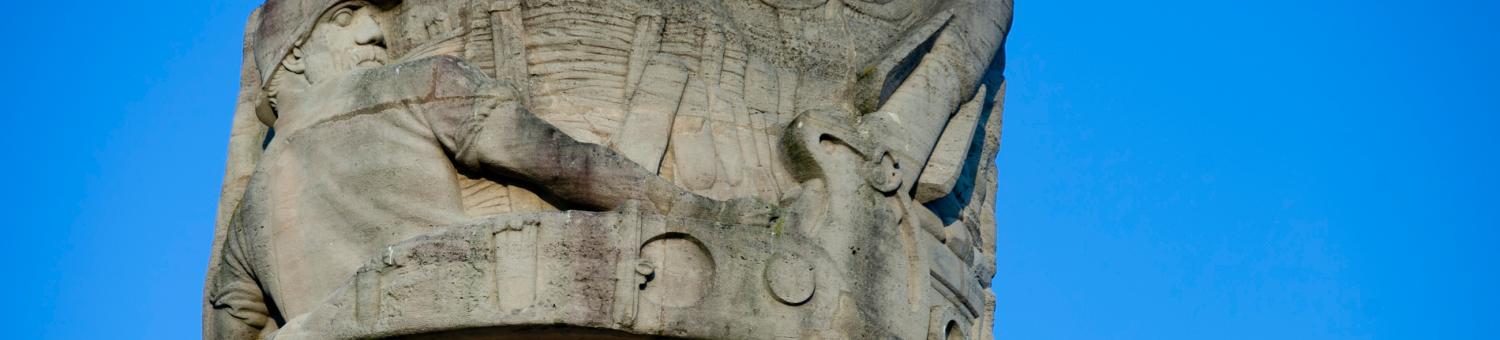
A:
<point x="284" y="22"/>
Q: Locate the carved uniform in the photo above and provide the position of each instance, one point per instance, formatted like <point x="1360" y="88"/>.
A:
<point x="342" y="179"/>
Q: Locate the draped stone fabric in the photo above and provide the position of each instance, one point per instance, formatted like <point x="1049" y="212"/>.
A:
<point x="613" y="169"/>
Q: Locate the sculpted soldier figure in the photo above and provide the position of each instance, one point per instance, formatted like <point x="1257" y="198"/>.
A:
<point x="483" y="169"/>
<point x="367" y="154"/>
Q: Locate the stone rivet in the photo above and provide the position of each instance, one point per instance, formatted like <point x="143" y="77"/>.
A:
<point x="645" y="268"/>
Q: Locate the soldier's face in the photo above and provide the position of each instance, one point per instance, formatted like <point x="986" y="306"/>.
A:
<point x="344" y="39"/>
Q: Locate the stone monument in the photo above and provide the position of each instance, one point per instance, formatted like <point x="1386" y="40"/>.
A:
<point x="745" y="169"/>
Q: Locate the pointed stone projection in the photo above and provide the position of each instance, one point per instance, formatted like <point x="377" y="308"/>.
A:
<point x="558" y="169"/>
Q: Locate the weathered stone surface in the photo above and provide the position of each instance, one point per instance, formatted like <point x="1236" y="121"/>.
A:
<point x="612" y="169"/>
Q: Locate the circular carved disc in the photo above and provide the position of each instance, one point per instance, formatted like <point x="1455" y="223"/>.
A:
<point x="790" y="279"/>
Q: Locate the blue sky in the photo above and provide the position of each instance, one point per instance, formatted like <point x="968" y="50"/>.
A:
<point x="1272" y="169"/>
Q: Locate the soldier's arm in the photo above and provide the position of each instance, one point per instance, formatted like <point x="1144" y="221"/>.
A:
<point x="239" y="307"/>
<point x="496" y="136"/>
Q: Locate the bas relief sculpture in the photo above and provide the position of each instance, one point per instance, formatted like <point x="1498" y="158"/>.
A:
<point x="612" y="169"/>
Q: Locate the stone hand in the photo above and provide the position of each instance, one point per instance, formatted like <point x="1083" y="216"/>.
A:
<point x="748" y="211"/>
<point x="744" y="210"/>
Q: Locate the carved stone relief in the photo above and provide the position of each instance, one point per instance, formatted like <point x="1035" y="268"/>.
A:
<point x="612" y="168"/>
